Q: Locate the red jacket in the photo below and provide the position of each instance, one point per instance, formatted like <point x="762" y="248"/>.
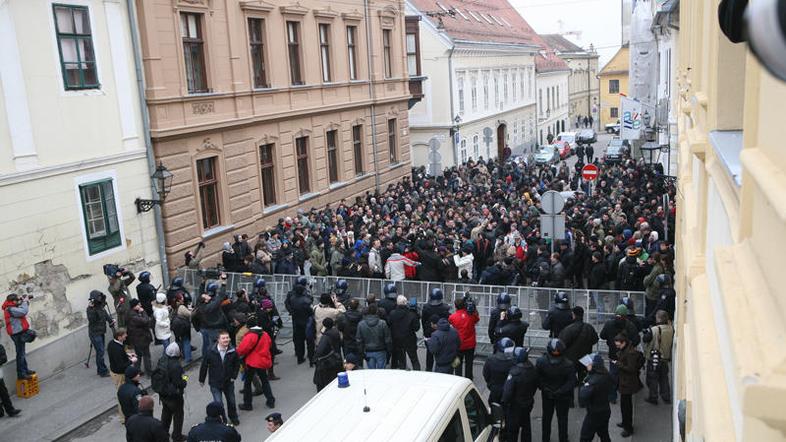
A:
<point x="411" y="272"/>
<point x="464" y="323"/>
<point x="256" y="356"/>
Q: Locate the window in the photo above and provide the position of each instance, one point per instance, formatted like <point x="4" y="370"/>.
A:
<point x="387" y="56"/>
<point x="75" y="44"/>
<point x="324" y="50"/>
<point x="352" y="51"/>
<point x="486" y="90"/>
<point x="101" y="225"/>
<point x="521" y="85"/>
<point x="463" y="151"/>
<point x="614" y="86"/>
<point x="256" y="39"/>
<point x="268" y="175"/>
<point x="474" y="92"/>
<point x="476" y="414"/>
<point x="540" y="100"/>
<point x="392" y="141"/>
<point x="496" y="91"/>
<point x="207" y="177"/>
<point x="614" y="112"/>
<point x="193" y="52"/>
<point x="412" y="55"/>
<point x="531" y="84"/>
<point x="513" y="85"/>
<point x="357" y="148"/>
<point x="454" y="432"/>
<point x="301" y="152"/>
<point x="461" y="94"/>
<point x="293" y="43"/>
<point x="332" y="154"/>
<point x="505" y="88"/>
<point x="476" y="146"/>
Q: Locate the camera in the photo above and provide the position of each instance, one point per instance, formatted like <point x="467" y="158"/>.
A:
<point x="763" y="25"/>
<point x="469" y="301"/>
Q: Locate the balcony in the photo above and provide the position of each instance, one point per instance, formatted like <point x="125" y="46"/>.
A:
<point x="416" y="89"/>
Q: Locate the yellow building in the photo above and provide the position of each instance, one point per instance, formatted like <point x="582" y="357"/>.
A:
<point x="731" y="224"/>
<point x="613" y="81"/>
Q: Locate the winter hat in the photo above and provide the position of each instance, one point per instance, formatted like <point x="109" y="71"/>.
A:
<point x="160" y="298"/>
<point x="328" y="323"/>
<point x="621" y="310"/>
<point x="145" y="403"/>
<point x="401" y="300"/>
<point x="597" y="360"/>
<point x="267" y="304"/>
<point x="131" y="372"/>
<point x="133" y="303"/>
<point x="275" y="418"/>
<point x="227" y="247"/>
<point x="214" y="409"/>
<point x="325" y="298"/>
<point x="173" y="350"/>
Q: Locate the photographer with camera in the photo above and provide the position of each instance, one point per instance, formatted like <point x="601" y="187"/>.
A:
<point x="97" y="319"/>
<point x="15" y="309"/>
<point x="119" y="281"/>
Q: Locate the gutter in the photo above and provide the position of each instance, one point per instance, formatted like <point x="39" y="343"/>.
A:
<point x="371" y="94"/>
<point x="151" y="159"/>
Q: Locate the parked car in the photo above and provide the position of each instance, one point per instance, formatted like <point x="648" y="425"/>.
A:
<point x="546" y="155"/>
<point x="613" y="128"/>
<point x="586" y="136"/>
<point x="616" y="149"/>
<point x="567" y="137"/>
<point x="563" y="148"/>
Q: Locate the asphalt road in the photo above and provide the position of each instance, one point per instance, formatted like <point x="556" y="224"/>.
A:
<point x="653" y="423"/>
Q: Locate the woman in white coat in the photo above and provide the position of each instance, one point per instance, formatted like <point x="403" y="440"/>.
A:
<point x="161" y="315"/>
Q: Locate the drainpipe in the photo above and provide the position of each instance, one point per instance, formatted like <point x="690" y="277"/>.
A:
<point x="452" y="112"/>
<point x="151" y="160"/>
<point x="371" y="93"/>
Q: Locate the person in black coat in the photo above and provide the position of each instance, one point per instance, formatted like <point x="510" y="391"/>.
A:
<point x="298" y="304"/>
<point x="579" y="339"/>
<point x="347" y="324"/>
<point x="171" y="396"/>
<point x="214" y="428"/>
<point x="557" y="378"/>
<point x="222" y="373"/>
<point x="498" y="316"/>
<point x="513" y="327"/>
<point x="597" y="273"/>
<point x="129" y="393"/>
<point x="404" y="322"/>
<point x="97" y="319"/>
<point x="594" y="396"/>
<point x="518" y="396"/>
<point x="435" y="307"/>
<point x="328" y="355"/>
<point x="431" y="264"/>
<point x="139" y="334"/>
<point x="444" y="345"/>
<point x="143" y="427"/>
<point x="559" y="316"/>
<point x="146" y="293"/>
<point x="497" y="367"/>
<point x="613" y="327"/>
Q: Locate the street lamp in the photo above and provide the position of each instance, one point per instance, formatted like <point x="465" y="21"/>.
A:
<point x="650" y="152"/>
<point x="162" y="182"/>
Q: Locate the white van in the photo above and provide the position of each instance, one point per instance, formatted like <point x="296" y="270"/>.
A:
<point x="399" y="406"/>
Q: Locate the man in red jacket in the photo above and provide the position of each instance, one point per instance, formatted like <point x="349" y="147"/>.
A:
<point x="255" y="348"/>
<point x="464" y="321"/>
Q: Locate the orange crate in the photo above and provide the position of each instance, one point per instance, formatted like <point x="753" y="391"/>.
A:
<point x="27" y="388"/>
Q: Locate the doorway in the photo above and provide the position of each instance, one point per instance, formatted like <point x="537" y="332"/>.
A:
<point x="501" y="142"/>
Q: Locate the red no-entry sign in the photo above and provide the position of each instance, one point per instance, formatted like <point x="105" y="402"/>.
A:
<point x="589" y="172"/>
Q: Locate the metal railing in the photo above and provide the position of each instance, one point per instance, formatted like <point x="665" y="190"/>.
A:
<point x="534" y="302"/>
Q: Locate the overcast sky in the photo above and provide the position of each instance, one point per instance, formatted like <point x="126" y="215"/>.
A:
<point x="598" y="21"/>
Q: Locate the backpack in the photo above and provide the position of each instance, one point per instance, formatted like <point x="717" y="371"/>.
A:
<point x="180" y="326"/>
<point x="629" y="276"/>
<point x="159" y="380"/>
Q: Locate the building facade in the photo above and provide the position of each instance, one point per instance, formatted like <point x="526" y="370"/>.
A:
<point x="666" y="27"/>
<point x="613" y="82"/>
<point x="260" y="109"/>
<point x="73" y="162"/>
<point x="731" y="231"/>
<point x="553" y="94"/>
<point x="583" y="84"/>
<point x="479" y="91"/>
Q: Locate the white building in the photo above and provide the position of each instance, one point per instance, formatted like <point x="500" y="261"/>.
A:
<point x="479" y="94"/>
<point x="666" y="27"/>
<point x="72" y="163"/>
<point x="553" y="94"/>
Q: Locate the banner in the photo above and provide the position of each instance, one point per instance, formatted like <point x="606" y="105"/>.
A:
<point x="630" y="123"/>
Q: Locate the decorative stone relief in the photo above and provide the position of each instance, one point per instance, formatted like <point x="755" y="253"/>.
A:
<point x="202" y="108"/>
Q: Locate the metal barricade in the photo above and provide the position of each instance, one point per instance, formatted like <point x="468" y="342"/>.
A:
<point x="534" y="302"/>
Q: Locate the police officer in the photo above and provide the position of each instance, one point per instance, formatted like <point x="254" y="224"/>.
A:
<point x="559" y="316"/>
<point x="341" y="290"/>
<point x="177" y="289"/>
<point x="260" y="294"/>
<point x="496" y="369"/>
<point x="518" y="396"/>
<point x="129" y="393"/>
<point x="514" y="328"/>
<point x="436" y="307"/>
<point x="214" y="429"/>
<point x="594" y="396"/>
<point x="389" y="302"/>
<point x="498" y="316"/>
<point x="557" y="378"/>
<point x="146" y="293"/>
<point x="298" y="304"/>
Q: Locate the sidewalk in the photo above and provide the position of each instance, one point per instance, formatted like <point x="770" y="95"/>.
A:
<point x="68" y="400"/>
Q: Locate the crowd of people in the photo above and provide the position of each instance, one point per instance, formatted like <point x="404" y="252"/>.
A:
<point x="476" y="223"/>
